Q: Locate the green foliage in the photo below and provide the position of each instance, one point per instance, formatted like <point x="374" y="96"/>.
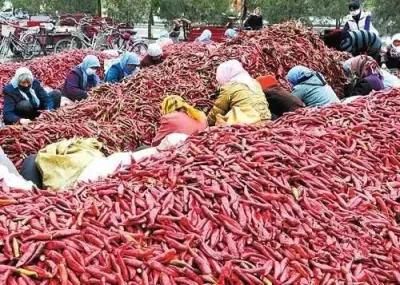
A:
<point x="195" y="10"/>
<point x="386" y="16"/>
<point x="128" y="11"/>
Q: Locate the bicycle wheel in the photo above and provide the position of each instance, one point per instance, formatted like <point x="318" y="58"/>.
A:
<point x="31" y="47"/>
<point x="139" y="48"/>
<point x="67" y="44"/>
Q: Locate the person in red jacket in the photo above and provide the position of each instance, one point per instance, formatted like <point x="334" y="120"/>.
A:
<point x="179" y="117"/>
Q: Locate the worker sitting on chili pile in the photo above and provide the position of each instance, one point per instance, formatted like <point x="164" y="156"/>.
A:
<point x="128" y="65"/>
<point x="82" y="78"/>
<point x="355" y="42"/>
<point x="240" y="99"/>
<point x="24" y="97"/>
<point x="280" y="101"/>
<point x="392" y="56"/>
<point x="231" y="34"/>
<point x="364" y="75"/>
<point x="311" y="87"/>
<point x="205" y="37"/>
<point x="179" y="117"/>
<point x="154" y="56"/>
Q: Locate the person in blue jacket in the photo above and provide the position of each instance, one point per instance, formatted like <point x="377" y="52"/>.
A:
<point x="24" y="97"/>
<point x="82" y="78"/>
<point x="128" y="65"/>
<point x="311" y="87"/>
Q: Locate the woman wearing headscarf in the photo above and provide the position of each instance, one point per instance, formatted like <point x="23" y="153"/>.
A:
<point x="154" y="56"/>
<point x="240" y="99"/>
<point x="311" y="87"/>
<point x="392" y="58"/>
<point x="280" y="100"/>
<point x="24" y="97"/>
<point x="231" y="33"/>
<point x="179" y="117"/>
<point x="128" y="65"/>
<point x="364" y="75"/>
<point x="82" y="78"/>
<point x="205" y="37"/>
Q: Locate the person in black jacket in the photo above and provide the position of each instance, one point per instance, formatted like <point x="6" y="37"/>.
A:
<point x="24" y="97"/>
<point x="254" y="21"/>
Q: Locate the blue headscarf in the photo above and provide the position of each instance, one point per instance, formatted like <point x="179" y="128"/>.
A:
<point x="230" y="33"/>
<point x="205" y="36"/>
<point x="88" y="61"/>
<point x="298" y="73"/>
<point x="129" y="58"/>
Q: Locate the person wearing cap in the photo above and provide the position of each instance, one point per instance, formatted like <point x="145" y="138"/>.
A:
<point x="240" y="99"/>
<point x="355" y="42"/>
<point x="179" y="117"/>
<point x="128" y="65"/>
<point x="392" y="56"/>
<point x="359" y="19"/>
<point x="254" y="21"/>
<point x="280" y="101"/>
<point x="24" y="98"/>
<point x="154" y="56"/>
<point x="205" y="37"/>
<point x="82" y="78"/>
<point x="311" y="87"/>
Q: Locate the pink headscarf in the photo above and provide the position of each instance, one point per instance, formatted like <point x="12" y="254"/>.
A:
<point x="232" y="71"/>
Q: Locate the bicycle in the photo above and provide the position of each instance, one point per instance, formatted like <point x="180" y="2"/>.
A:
<point x="124" y="39"/>
<point x="80" y="40"/>
<point x="11" y="43"/>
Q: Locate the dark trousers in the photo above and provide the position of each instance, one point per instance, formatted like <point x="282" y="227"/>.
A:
<point x="24" y="109"/>
<point x="29" y="171"/>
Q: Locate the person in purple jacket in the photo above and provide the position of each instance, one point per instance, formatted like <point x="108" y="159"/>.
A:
<point x="82" y="78"/>
<point x="365" y="76"/>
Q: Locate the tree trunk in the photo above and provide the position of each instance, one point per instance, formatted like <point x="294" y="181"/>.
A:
<point x="150" y="22"/>
<point x="99" y="8"/>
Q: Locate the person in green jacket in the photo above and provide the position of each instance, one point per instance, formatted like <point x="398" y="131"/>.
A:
<point x="311" y="87"/>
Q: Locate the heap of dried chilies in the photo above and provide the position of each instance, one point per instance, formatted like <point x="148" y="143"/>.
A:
<point x="310" y="199"/>
<point x="131" y="109"/>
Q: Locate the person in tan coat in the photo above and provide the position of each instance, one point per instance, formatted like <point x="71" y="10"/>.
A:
<point x="241" y="99"/>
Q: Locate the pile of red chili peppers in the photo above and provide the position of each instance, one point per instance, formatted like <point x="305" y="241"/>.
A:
<point x="50" y="70"/>
<point x="126" y="115"/>
<point x="311" y="199"/>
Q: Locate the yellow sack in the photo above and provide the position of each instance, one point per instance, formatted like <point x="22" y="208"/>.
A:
<point x="238" y="116"/>
<point x="61" y="163"/>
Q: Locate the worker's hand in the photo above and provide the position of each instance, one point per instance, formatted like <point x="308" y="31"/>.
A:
<point x="25" y="122"/>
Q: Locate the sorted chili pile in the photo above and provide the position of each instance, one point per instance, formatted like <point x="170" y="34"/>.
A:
<point x="50" y="70"/>
<point x="189" y="70"/>
<point x="273" y="204"/>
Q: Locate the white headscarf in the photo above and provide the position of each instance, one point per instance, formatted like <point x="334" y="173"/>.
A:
<point x="232" y="71"/>
<point x="22" y="74"/>
<point x="205" y="36"/>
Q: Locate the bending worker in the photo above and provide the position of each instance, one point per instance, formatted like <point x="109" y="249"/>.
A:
<point x="24" y="97"/>
<point x="355" y="42"/>
<point x="179" y="117"/>
<point x="128" y="65"/>
<point x="154" y="56"/>
<point x="280" y="101"/>
<point x="311" y="87"/>
<point x="82" y="78"/>
<point x="240" y="100"/>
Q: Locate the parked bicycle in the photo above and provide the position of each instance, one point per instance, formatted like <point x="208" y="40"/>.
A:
<point x="79" y="39"/>
<point x="26" y="48"/>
